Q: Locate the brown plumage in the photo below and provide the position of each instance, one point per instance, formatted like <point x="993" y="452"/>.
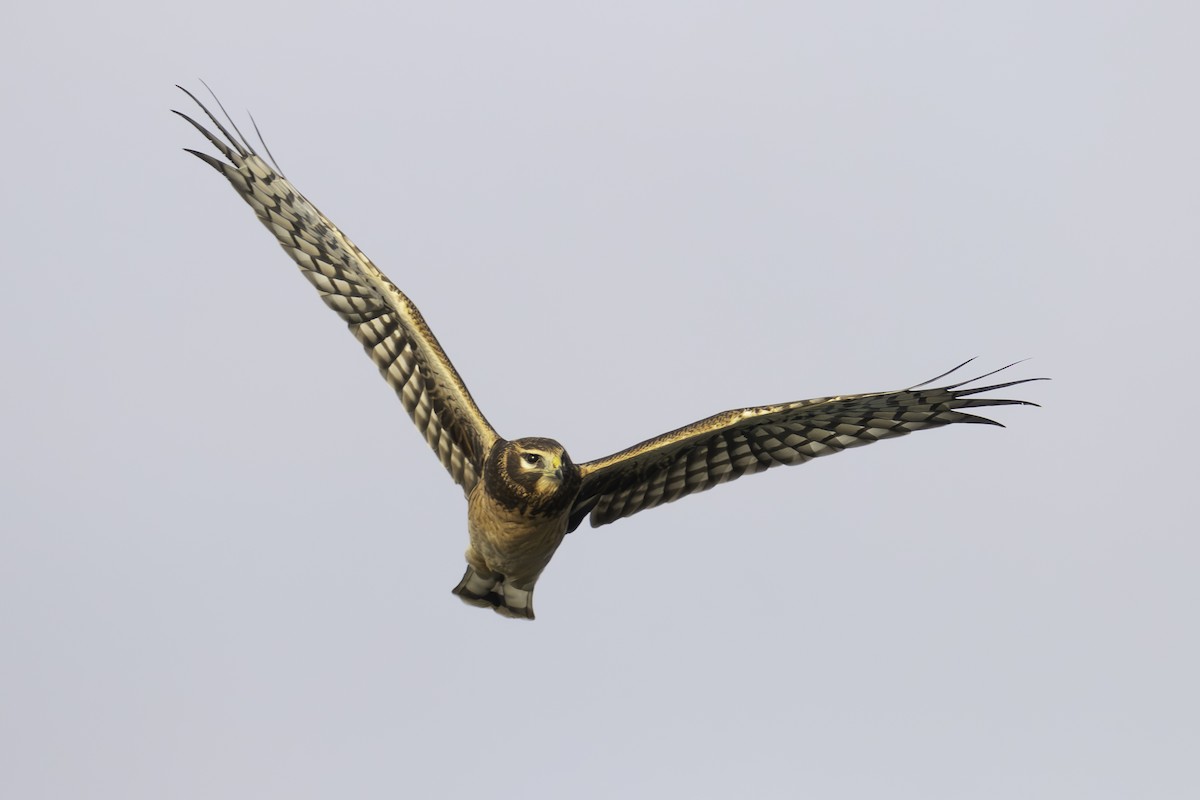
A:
<point x="525" y="495"/>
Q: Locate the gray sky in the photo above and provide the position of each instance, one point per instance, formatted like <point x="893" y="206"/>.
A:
<point x="226" y="556"/>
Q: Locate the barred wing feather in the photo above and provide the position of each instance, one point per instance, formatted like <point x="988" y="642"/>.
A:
<point x="729" y="445"/>
<point x="380" y="316"/>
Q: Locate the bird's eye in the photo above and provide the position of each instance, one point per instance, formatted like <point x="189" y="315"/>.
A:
<point x="532" y="458"/>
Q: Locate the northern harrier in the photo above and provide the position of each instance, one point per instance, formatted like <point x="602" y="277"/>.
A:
<point x="525" y="495"/>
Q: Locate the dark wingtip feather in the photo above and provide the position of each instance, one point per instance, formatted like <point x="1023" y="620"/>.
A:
<point x="975" y="419"/>
<point x="950" y="371"/>
<point x="217" y="164"/>
<point x="263" y="142"/>
<point x="983" y="402"/>
<point x="981" y="389"/>
<point x="985" y="375"/>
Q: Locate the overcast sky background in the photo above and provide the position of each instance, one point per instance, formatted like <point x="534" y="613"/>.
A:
<point x="226" y="556"/>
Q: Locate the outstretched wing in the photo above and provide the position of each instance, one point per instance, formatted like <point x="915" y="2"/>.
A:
<point x="379" y="315"/>
<point x="744" y="441"/>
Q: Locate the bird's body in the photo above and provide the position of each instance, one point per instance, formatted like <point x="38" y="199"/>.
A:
<point x="525" y="495"/>
<point x="517" y="516"/>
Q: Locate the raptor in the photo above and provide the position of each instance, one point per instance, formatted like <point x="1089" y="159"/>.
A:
<point x="525" y="495"/>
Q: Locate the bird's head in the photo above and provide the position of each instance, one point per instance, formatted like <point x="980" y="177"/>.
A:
<point x="534" y="473"/>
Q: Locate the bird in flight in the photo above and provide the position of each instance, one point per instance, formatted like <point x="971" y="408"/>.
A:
<point x="525" y="495"/>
